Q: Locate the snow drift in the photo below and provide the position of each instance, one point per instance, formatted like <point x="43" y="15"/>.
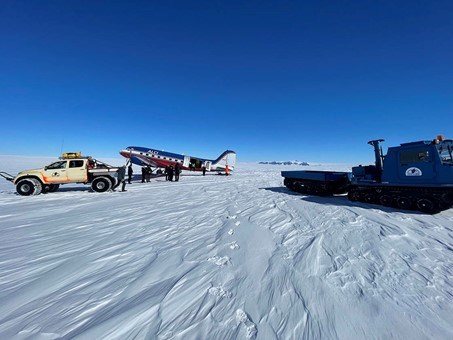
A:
<point x="217" y="257"/>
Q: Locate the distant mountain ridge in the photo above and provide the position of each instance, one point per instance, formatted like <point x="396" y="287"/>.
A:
<point x="285" y="163"/>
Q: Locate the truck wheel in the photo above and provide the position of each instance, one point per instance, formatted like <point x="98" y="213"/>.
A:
<point x="29" y="186"/>
<point x="101" y="184"/>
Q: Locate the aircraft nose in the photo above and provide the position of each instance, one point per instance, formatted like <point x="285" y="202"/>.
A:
<point x="125" y="153"/>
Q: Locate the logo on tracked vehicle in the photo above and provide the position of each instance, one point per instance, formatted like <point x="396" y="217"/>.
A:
<point x="413" y="171"/>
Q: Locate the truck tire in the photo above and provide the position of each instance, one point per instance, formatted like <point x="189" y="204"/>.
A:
<point x="28" y="187"/>
<point x="101" y="184"/>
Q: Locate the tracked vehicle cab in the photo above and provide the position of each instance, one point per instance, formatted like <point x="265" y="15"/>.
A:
<point x="423" y="163"/>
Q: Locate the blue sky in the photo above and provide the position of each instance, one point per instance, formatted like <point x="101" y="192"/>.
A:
<point x="306" y="80"/>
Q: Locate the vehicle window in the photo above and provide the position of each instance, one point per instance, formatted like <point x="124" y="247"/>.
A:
<point x="57" y="165"/>
<point x="76" y="164"/>
<point x="446" y="152"/>
<point x="419" y="155"/>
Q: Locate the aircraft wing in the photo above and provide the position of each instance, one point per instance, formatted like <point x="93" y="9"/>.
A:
<point x="145" y="160"/>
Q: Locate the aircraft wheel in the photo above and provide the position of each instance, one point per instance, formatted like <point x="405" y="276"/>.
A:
<point x="101" y="184"/>
<point x="386" y="200"/>
<point x="404" y="202"/>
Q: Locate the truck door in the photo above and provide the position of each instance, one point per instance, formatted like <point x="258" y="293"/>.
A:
<point x="77" y="171"/>
<point x="186" y="161"/>
<point x="56" y="172"/>
<point x="416" y="165"/>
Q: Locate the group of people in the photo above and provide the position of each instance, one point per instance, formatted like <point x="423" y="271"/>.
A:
<point x="146" y="173"/>
<point x="170" y="172"/>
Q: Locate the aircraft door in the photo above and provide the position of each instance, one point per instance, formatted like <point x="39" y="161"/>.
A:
<point x="186" y="161"/>
<point x="208" y="166"/>
<point x="56" y="172"/>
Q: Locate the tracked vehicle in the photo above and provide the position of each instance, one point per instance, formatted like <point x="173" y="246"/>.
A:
<point x="412" y="176"/>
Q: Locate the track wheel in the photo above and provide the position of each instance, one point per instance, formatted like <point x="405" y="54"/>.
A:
<point x="386" y="200"/>
<point x="354" y="196"/>
<point x="101" y="184"/>
<point x="370" y="198"/>
<point x="426" y="205"/>
<point x="404" y="202"/>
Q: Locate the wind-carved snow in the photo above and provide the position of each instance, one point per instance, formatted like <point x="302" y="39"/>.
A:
<point x="220" y="292"/>
<point x="233" y="245"/>
<point x="243" y="318"/>
<point x="160" y="262"/>
<point x="220" y="261"/>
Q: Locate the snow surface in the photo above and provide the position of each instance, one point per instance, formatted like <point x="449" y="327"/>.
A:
<point x="216" y="257"/>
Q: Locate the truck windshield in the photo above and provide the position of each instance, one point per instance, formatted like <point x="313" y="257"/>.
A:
<point x="57" y="165"/>
<point x="445" y="149"/>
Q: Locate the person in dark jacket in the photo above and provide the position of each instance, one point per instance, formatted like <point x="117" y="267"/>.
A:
<point x="204" y="170"/>
<point x="177" y="171"/>
<point x="143" y="174"/>
<point x="148" y="174"/>
<point x="170" y="173"/>
<point x="166" y="172"/>
<point x="129" y="173"/>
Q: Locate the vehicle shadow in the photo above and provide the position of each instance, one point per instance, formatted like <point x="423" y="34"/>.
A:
<point x="72" y="189"/>
<point x="340" y="200"/>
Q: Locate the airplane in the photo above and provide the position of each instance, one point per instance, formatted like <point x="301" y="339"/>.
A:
<point x="141" y="156"/>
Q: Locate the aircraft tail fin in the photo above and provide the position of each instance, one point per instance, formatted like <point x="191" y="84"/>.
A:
<point x="226" y="158"/>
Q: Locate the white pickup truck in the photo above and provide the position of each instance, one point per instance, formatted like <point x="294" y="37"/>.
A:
<point x="70" y="168"/>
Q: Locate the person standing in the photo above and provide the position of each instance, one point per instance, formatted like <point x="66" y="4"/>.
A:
<point x="130" y="171"/>
<point x="143" y="174"/>
<point x="204" y="170"/>
<point x="226" y="169"/>
<point x="170" y="173"/>
<point x="148" y="174"/>
<point x="177" y="171"/>
<point x="166" y="172"/>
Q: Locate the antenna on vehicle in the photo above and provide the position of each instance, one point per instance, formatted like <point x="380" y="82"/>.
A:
<point x="62" y="143"/>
